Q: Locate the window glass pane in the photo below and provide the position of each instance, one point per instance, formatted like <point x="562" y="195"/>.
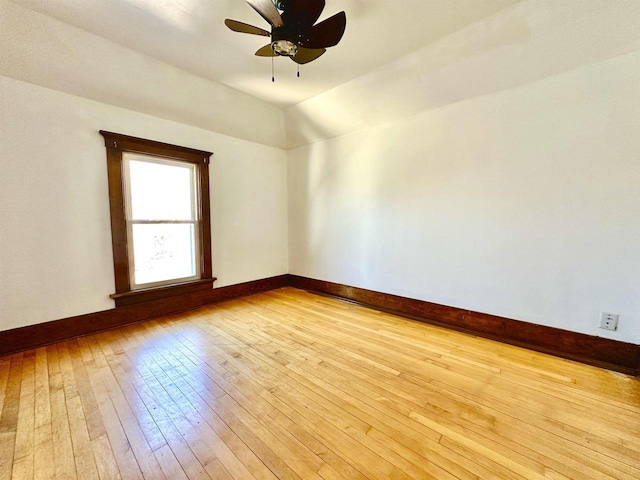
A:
<point x="161" y="191"/>
<point x="163" y="252"/>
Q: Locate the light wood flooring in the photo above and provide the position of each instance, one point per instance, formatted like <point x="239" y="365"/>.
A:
<point x="291" y="385"/>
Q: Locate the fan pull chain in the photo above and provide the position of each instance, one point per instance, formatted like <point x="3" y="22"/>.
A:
<point x="273" y="75"/>
<point x="298" y="70"/>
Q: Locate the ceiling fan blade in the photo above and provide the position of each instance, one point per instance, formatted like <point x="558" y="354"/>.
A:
<point x="266" y="51"/>
<point x="306" y="55"/>
<point x="268" y="11"/>
<point x="326" y="33"/>
<point x="245" y="28"/>
<point x="304" y="13"/>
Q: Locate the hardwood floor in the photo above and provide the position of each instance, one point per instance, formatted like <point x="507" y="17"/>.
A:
<point x="288" y="385"/>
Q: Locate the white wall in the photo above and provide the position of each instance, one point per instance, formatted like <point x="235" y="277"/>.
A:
<point x="522" y="201"/>
<point x="55" y="236"/>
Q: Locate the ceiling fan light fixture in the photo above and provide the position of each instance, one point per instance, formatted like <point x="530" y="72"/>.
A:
<point x="285" y="48"/>
<point x="294" y="31"/>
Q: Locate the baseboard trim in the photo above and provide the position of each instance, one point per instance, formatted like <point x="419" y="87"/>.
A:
<point x="31" y="336"/>
<point x="601" y="352"/>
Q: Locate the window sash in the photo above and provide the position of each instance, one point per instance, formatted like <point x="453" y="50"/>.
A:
<point x="193" y="179"/>
<point x="130" y="222"/>
<point x="195" y="253"/>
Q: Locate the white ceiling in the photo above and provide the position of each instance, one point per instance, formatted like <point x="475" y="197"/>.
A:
<point x="191" y="35"/>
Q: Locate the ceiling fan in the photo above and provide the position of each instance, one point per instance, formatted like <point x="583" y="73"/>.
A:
<point x="293" y="33"/>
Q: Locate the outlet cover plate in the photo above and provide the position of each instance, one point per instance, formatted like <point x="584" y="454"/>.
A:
<point x="609" y="321"/>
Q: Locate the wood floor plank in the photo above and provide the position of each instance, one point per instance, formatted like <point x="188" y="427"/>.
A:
<point x="90" y="407"/>
<point x="23" y="453"/>
<point x="82" y="448"/>
<point x="7" y="445"/>
<point x="64" y="461"/>
<point x="5" y="367"/>
<point x="290" y="385"/>
<point x="105" y="458"/>
<point x="169" y="463"/>
<point x="43" y="439"/>
<point x="11" y="401"/>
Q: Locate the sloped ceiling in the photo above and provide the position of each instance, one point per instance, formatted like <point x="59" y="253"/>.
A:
<point x="175" y="59"/>
<point x="524" y="44"/>
<point x="190" y="35"/>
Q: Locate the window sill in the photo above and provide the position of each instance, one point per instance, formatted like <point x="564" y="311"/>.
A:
<point x="145" y="295"/>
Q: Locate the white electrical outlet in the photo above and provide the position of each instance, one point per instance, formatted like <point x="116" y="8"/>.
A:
<point x="609" y="321"/>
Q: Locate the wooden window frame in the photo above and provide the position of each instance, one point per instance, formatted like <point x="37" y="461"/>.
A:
<point x="117" y="145"/>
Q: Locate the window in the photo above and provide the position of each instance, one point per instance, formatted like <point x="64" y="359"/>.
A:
<point x="162" y="221"/>
<point x="161" y="232"/>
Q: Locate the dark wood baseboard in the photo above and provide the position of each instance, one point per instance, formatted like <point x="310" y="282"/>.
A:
<point x="601" y="352"/>
<point x="23" y="338"/>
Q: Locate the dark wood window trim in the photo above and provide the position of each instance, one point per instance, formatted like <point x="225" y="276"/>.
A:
<point x="118" y="144"/>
